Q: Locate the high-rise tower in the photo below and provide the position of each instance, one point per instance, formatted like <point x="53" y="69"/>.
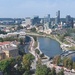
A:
<point x="48" y="17"/>
<point x="69" y="21"/>
<point x="57" y="19"/>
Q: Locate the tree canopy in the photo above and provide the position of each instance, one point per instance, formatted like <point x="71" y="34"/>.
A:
<point x="27" y="60"/>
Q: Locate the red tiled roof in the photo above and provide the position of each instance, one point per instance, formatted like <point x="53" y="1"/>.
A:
<point x="4" y="43"/>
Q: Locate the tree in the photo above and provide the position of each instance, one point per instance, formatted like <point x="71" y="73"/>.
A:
<point x="49" y="71"/>
<point x="27" y="73"/>
<point x="53" y="71"/>
<point x="42" y="70"/>
<point x="37" y="51"/>
<point x="61" y="72"/>
<point x="20" y="70"/>
<point x="33" y="30"/>
<point x="57" y="60"/>
<point x="12" y="66"/>
<point x="19" y="60"/>
<point x="61" y="38"/>
<point x="39" y="61"/>
<point x="35" y="38"/>
<point x="7" y="66"/>
<point x="27" y="60"/>
<point x="21" y="41"/>
<point x="73" y="65"/>
<point x="21" y="50"/>
<point x="42" y="55"/>
<point x="17" y="35"/>
<point x="65" y="62"/>
<point x="10" y="38"/>
<point x="1" y="40"/>
<point x="68" y="63"/>
<point x="19" y="27"/>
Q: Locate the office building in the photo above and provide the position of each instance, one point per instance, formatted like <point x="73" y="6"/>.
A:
<point x="28" y="21"/>
<point x="57" y="19"/>
<point x="49" y="18"/>
<point x="69" y="21"/>
<point x="36" y="20"/>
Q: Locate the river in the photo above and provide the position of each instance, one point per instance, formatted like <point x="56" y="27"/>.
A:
<point x="49" y="46"/>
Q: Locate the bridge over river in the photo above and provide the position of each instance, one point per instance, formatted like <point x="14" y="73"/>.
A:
<point x="70" y="54"/>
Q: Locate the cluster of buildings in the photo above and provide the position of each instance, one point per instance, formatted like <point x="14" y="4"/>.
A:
<point x="56" y="22"/>
<point x="8" y="49"/>
<point x="21" y="34"/>
<point x="11" y="21"/>
<point x="7" y="28"/>
<point x="45" y="24"/>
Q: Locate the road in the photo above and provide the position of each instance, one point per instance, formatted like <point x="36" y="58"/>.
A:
<point x="32" y="51"/>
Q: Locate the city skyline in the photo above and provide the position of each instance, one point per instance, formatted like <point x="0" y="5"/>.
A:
<point x="31" y="8"/>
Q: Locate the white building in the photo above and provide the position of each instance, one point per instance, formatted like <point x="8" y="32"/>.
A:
<point x="47" y="30"/>
<point x="26" y="22"/>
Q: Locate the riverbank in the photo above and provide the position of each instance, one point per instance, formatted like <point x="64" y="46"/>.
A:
<point x="51" y="37"/>
<point x="38" y="47"/>
<point x="32" y="49"/>
<point x="46" y="62"/>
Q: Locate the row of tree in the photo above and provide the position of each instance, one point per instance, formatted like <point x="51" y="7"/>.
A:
<point x="44" y="70"/>
<point x="12" y="38"/>
<point x="66" y="62"/>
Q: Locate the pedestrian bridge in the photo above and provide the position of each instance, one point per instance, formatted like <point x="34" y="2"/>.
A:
<point x="69" y="53"/>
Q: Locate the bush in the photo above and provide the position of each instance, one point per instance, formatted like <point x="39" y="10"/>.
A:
<point x="35" y="38"/>
<point x="37" y="51"/>
<point x="27" y="73"/>
<point x="33" y="30"/>
<point x="42" y="55"/>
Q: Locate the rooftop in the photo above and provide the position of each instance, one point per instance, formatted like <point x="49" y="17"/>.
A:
<point x="10" y="48"/>
<point x="7" y="46"/>
<point x="4" y="43"/>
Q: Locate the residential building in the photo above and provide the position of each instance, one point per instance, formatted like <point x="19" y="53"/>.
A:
<point x="8" y="49"/>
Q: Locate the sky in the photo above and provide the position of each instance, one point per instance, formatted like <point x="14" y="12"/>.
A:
<point x="31" y="8"/>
